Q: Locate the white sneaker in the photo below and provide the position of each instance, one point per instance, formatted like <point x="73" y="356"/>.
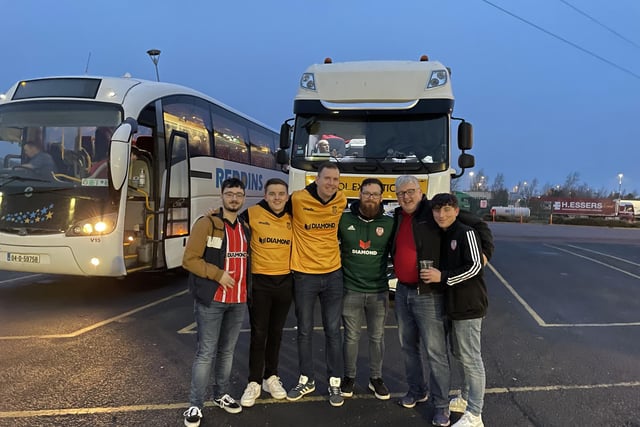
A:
<point x="192" y="416"/>
<point x="251" y="393"/>
<point x="273" y="386"/>
<point x="469" y="420"/>
<point x="458" y="404"/>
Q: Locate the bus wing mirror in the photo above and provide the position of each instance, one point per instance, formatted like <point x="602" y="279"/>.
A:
<point x="285" y="135"/>
<point x="465" y="136"/>
<point x="119" y="153"/>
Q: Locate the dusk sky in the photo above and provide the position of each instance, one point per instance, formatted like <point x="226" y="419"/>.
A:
<point x="556" y="95"/>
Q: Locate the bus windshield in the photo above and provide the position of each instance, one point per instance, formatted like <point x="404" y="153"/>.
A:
<point x="53" y="164"/>
<point x="374" y="139"/>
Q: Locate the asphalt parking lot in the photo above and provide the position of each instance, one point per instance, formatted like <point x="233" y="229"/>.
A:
<point x="560" y="343"/>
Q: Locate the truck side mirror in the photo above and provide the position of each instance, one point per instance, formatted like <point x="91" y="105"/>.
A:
<point x="282" y="157"/>
<point x="285" y="136"/>
<point x="466" y="161"/>
<point x="465" y="136"/>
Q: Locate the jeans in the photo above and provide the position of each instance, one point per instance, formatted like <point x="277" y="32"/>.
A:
<point x="421" y="325"/>
<point x="270" y="303"/>
<point x="307" y="288"/>
<point x="466" y="341"/>
<point x="218" y="329"/>
<point x="357" y="306"/>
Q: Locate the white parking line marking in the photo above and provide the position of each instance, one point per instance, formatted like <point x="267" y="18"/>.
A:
<point x="635" y="276"/>
<point x="15" y="279"/>
<point x="603" y="254"/>
<point x="96" y="325"/>
<point x="539" y="319"/>
<point x="183" y="405"/>
<point x="517" y="296"/>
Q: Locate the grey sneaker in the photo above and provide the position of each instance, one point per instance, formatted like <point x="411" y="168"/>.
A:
<point x="335" y="395"/>
<point x="192" y="416"/>
<point x="347" y="386"/>
<point x="409" y="401"/>
<point x="441" y="417"/>
<point x="303" y="387"/>
<point x="227" y="403"/>
<point x="376" y="385"/>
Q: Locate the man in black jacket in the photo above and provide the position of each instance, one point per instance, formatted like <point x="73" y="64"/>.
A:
<point x="466" y="300"/>
<point x="419" y="306"/>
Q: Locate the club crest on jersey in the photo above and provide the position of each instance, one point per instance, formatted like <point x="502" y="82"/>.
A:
<point x="454" y="245"/>
<point x="379" y="231"/>
<point x="335" y="210"/>
<point x="288" y="226"/>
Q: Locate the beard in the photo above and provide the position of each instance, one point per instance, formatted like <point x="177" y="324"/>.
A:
<point x="369" y="210"/>
<point x="230" y="208"/>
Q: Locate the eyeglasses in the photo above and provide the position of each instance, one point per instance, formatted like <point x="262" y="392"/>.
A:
<point x="410" y="192"/>
<point x="368" y="195"/>
<point x="230" y="195"/>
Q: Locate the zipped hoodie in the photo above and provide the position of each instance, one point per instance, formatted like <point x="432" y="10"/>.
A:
<point x="461" y="267"/>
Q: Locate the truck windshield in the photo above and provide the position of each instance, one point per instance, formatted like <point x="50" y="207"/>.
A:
<point x="373" y="139"/>
<point x="53" y="164"/>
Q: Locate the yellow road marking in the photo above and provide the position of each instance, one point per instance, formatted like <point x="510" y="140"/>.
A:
<point x="184" y="405"/>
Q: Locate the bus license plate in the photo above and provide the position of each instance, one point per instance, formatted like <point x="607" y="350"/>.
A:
<point x="23" y="258"/>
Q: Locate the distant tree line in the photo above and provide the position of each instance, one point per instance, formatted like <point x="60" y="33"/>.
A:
<point x="520" y="194"/>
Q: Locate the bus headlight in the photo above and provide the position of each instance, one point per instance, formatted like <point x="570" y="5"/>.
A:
<point x="93" y="226"/>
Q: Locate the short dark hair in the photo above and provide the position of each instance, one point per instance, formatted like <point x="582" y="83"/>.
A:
<point x="444" y="199"/>
<point x="369" y="181"/>
<point x="327" y="165"/>
<point x="231" y="183"/>
<point x="275" y="181"/>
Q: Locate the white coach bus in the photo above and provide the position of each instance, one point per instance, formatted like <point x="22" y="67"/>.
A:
<point x="377" y="119"/>
<point x="104" y="176"/>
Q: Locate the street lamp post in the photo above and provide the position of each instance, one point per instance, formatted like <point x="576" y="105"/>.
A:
<point x="154" y="54"/>
<point x="620" y="186"/>
<point x="471" y="180"/>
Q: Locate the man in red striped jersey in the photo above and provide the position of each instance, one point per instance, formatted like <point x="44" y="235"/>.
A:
<point x="217" y="257"/>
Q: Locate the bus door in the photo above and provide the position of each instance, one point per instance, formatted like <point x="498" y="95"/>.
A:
<point x="176" y="200"/>
<point x="140" y="221"/>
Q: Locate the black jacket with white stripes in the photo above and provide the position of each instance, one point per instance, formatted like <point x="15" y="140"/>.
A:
<point x="461" y="267"/>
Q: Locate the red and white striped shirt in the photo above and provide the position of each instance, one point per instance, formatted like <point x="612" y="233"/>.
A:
<point x="235" y="263"/>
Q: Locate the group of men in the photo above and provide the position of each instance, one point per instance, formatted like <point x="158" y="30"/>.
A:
<point x="308" y="248"/>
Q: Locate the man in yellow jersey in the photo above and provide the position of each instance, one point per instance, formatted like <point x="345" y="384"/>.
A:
<point x="317" y="273"/>
<point x="272" y="288"/>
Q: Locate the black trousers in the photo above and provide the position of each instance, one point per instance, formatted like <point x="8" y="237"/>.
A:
<point x="270" y="302"/>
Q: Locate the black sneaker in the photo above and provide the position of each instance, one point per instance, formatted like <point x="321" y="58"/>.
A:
<point x="376" y="385"/>
<point x="347" y="386"/>
<point x="227" y="403"/>
<point x="192" y="416"/>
